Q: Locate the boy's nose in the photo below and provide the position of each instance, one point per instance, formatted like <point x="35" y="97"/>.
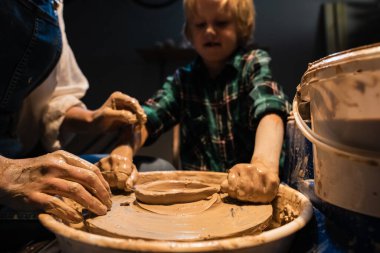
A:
<point x="210" y="30"/>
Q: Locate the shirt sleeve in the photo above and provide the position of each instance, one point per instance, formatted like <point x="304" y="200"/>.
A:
<point x="44" y="109"/>
<point x="70" y="85"/>
<point x="163" y="109"/>
<point x="266" y="94"/>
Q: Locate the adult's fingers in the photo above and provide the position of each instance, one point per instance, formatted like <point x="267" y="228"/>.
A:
<point x="85" y="176"/>
<point x="74" y="191"/>
<point x="55" y="206"/>
<point x="81" y="163"/>
<point x="91" y="182"/>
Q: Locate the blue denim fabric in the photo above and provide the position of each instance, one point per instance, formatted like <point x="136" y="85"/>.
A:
<point x="30" y="42"/>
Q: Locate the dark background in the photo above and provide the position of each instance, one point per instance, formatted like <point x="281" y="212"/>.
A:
<point x="106" y="36"/>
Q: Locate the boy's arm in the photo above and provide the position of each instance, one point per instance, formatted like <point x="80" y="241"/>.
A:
<point x="131" y="142"/>
<point x="258" y="181"/>
<point x="118" y="168"/>
<point x="164" y="110"/>
<point x="268" y="144"/>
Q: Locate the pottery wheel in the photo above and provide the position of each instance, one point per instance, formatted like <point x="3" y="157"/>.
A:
<point x="213" y="216"/>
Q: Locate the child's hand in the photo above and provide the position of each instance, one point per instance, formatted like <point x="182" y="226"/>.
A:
<point x="119" y="171"/>
<point x="119" y="110"/>
<point x="251" y="182"/>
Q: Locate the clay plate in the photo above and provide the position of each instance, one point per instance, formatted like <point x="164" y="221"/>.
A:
<point x="165" y="192"/>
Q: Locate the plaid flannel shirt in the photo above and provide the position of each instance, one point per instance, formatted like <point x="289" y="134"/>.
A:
<point x="218" y="117"/>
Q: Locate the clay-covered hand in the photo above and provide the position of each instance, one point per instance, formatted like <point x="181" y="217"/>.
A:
<point x="118" y="110"/>
<point x="251" y="182"/>
<point x="119" y="171"/>
<point x="40" y="183"/>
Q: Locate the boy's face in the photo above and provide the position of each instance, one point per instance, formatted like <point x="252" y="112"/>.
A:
<point x="213" y="31"/>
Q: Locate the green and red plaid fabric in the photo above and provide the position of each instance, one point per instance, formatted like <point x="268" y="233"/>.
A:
<point x="218" y="117"/>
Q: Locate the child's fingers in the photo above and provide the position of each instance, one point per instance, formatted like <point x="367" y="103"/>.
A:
<point x="224" y="186"/>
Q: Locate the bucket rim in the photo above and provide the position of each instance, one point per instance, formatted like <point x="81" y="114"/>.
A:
<point x="372" y="157"/>
<point x="369" y="52"/>
<point x="343" y="56"/>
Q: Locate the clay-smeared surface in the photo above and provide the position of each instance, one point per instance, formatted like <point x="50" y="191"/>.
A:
<point x="76" y="240"/>
<point x="219" y="219"/>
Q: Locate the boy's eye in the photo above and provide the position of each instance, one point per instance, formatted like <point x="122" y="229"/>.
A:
<point x="221" y="23"/>
<point x="200" y="25"/>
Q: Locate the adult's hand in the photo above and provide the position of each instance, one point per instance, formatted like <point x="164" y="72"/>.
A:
<point x="118" y="110"/>
<point x="251" y="182"/>
<point x="39" y="183"/>
<point x="119" y="171"/>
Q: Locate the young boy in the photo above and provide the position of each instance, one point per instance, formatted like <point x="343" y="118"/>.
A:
<point x="231" y="113"/>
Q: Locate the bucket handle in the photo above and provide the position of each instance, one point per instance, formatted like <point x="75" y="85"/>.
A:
<point x="329" y="145"/>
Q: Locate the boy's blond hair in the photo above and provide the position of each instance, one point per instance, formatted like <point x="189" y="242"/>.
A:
<point x="243" y="11"/>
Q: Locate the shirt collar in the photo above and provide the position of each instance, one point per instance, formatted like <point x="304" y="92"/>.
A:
<point x="234" y="61"/>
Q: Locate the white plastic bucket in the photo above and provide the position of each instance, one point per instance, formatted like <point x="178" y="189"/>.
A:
<point x="343" y="91"/>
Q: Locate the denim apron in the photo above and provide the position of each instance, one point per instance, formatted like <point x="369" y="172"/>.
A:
<point x="30" y="46"/>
